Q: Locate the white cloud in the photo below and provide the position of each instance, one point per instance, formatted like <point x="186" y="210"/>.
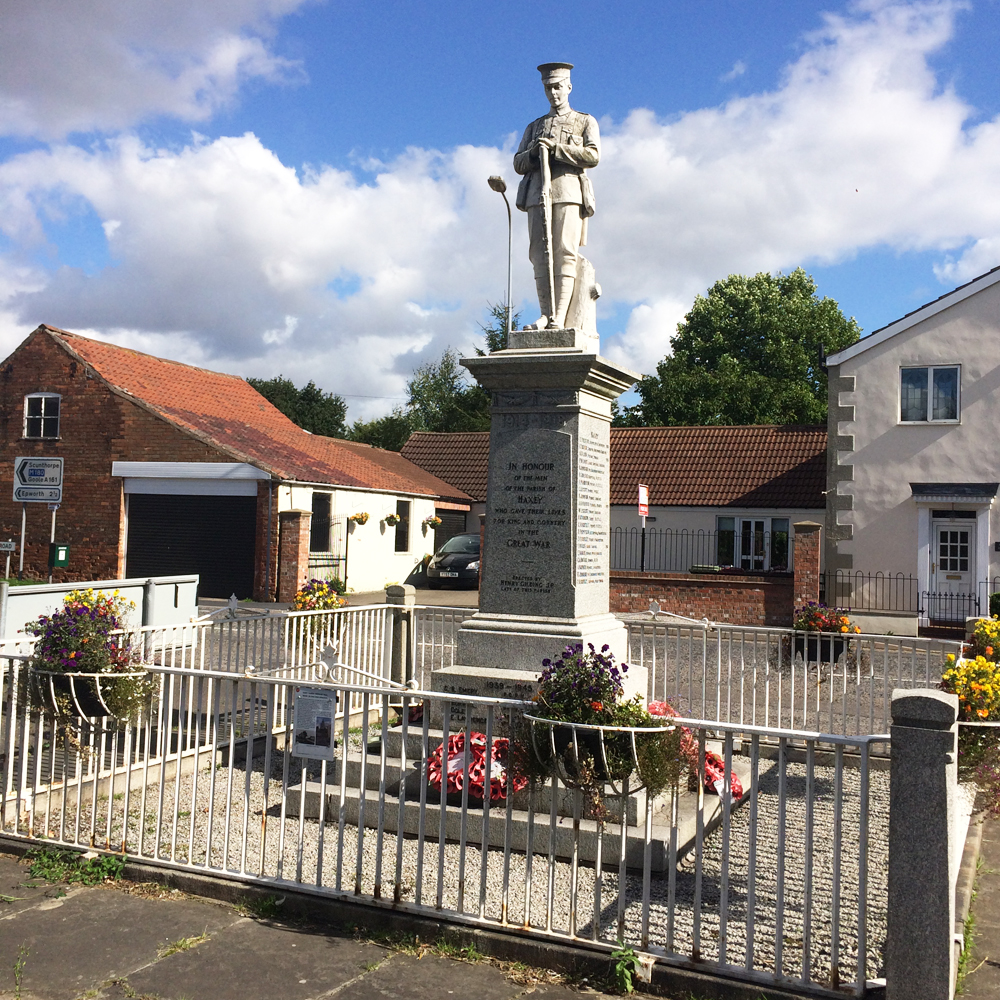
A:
<point x="219" y="246"/>
<point x="739" y="68"/>
<point x="67" y="66"/>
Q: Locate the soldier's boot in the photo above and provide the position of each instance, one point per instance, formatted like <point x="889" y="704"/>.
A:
<point x="542" y="287"/>
<point x="564" y="292"/>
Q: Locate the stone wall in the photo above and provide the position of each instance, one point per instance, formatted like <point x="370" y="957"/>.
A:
<point x="742" y="600"/>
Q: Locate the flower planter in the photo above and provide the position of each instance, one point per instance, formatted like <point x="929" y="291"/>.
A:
<point x="614" y="750"/>
<point x="820" y="648"/>
<point x="86" y="694"/>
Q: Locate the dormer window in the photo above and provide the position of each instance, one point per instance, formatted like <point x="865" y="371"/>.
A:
<point x="41" y="415"/>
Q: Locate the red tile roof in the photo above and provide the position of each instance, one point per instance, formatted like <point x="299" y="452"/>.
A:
<point x="755" y="466"/>
<point x="227" y="413"/>
<point x="758" y="466"/>
<point x="460" y="459"/>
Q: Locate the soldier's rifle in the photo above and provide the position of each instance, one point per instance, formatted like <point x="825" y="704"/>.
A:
<point x="546" y="199"/>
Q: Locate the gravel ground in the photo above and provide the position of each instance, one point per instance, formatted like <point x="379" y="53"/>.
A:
<point x="297" y="859"/>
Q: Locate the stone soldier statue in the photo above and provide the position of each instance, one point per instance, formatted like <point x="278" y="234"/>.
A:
<point x="571" y="140"/>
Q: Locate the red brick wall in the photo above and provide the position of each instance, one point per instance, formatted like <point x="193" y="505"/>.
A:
<point x="294" y="549"/>
<point x="806" y="562"/>
<point x="265" y="580"/>
<point x="742" y="600"/>
<point x="97" y="427"/>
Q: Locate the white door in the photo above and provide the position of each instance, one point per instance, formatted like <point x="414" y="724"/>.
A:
<point x="953" y="571"/>
<point x="752" y="544"/>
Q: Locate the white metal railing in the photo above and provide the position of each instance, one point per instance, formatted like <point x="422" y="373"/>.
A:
<point x="787" y="884"/>
<point x="434" y="638"/>
<point x="783" y="678"/>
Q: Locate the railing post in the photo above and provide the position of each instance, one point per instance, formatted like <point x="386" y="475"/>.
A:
<point x="920" y="949"/>
<point x="403" y="597"/>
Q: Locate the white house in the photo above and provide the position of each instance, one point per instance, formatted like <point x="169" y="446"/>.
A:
<point x="912" y="468"/>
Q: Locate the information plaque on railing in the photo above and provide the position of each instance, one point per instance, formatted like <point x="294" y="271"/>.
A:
<point x="315" y="711"/>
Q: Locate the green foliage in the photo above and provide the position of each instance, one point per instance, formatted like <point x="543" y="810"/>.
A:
<point x="442" y="400"/>
<point x="390" y="432"/>
<point x="59" y="865"/>
<point x="310" y="407"/>
<point x="995" y="605"/>
<point x="496" y="331"/>
<point x="749" y="352"/>
<point x="624" y="967"/>
<point x="262" y="907"/>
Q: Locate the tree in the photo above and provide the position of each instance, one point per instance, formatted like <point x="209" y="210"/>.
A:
<point x="439" y="397"/>
<point x="441" y="400"/>
<point x="751" y="351"/>
<point x="496" y="332"/>
<point x="310" y="407"/>
<point x="390" y="432"/>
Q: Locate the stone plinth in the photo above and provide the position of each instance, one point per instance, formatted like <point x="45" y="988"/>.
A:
<point x="489" y="682"/>
<point x="546" y="548"/>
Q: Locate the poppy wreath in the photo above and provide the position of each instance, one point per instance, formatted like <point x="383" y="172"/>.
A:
<point x="715" y="768"/>
<point x="454" y="769"/>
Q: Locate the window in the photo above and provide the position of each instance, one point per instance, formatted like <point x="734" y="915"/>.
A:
<point x="41" y="415"/>
<point x="927" y="394"/>
<point x="752" y="543"/>
<point x="319" y="529"/>
<point x="403" y="526"/>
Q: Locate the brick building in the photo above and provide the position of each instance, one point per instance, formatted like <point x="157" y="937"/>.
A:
<point x="175" y="469"/>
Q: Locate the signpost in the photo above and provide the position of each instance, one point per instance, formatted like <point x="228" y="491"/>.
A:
<point x="37" y="480"/>
<point x="643" y="513"/>
<point x="9" y="546"/>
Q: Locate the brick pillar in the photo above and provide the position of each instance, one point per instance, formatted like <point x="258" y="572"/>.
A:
<point x="293" y="552"/>
<point x="806" y="563"/>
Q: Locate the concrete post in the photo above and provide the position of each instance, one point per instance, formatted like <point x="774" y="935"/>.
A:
<point x="4" y="591"/>
<point x="920" y="949"/>
<point x="403" y="596"/>
<point x="806" y="563"/>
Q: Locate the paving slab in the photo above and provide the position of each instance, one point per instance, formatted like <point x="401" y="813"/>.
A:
<point x="75" y="943"/>
<point x="18" y="892"/>
<point x="431" y="978"/>
<point x="982" y="981"/>
<point x="259" y="959"/>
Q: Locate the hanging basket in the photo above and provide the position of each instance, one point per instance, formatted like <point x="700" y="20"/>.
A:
<point x="579" y="754"/>
<point x="90" y="696"/>
<point x="819" y="648"/>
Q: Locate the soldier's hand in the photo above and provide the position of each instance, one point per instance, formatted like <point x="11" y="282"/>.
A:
<point x="547" y="143"/>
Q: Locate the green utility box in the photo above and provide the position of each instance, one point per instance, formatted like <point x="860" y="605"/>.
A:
<point x="58" y="554"/>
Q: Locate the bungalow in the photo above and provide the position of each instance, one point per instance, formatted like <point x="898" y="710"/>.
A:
<point x="173" y="469"/>
<point x="718" y="496"/>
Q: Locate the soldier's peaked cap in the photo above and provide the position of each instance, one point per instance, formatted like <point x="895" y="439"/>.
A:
<point x="555" y="69"/>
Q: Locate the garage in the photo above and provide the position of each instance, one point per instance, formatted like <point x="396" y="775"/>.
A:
<point x="213" y="536"/>
<point x="192" y="517"/>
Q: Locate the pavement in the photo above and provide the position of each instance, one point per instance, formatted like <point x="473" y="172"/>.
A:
<point x="445" y="597"/>
<point x="982" y="977"/>
<point x="143" y="941"/>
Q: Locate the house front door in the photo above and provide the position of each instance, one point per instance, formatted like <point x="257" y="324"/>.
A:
<point x="953" y="571"/>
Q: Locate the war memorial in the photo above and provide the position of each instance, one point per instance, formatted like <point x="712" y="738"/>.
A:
<point x="544" y="581"/>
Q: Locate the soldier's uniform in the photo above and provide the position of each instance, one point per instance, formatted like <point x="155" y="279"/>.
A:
<point x="578" y="146"/>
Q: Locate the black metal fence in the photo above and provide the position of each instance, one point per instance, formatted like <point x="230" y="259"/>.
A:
<point x="669" y="550"/>
<point x="858" y="591"/>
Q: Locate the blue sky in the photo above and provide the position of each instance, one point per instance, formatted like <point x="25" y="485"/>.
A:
<point x="275" y="185"/>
